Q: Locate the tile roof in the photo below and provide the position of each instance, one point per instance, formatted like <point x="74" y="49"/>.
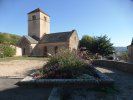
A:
<point x="31" y="40"/>
<point x="56" y="37"/>
<point x="37" y="10"/>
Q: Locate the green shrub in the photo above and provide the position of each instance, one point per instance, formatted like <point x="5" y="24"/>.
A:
<point x="66" y="58"/>
<point x="66" y="64"/>
<point x="7" y="51"/>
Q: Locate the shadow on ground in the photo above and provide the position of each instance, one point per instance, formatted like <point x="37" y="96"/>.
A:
<point x="122" y="91"/>
<point x="9" y="91"/>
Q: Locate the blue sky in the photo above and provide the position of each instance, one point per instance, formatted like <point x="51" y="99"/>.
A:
<point x="92" y="17"/>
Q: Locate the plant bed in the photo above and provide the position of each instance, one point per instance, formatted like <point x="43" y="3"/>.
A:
<point x="102" y="81"/>
<point x="67" y="69"/>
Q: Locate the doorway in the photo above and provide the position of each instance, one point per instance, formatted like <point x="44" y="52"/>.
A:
<point x="45" y="51"/>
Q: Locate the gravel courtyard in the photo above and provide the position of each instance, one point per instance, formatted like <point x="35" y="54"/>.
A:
<point x="19" y="68"/>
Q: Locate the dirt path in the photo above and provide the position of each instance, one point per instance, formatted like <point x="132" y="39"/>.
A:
<point x="19" y="68"/>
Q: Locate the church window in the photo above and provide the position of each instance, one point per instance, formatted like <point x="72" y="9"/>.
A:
<point x="23" y="51"/>
<point x="34" y="17"/>
<point x="45" y="50"/>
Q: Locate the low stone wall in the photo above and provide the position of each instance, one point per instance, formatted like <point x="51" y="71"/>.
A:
<point x="103" y="80"/>
<point x="123" y="66"/>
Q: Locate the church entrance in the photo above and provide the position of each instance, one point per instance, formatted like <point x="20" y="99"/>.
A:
<point x="45" y="51"/>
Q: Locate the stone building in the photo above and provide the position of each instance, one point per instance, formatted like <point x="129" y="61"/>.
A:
<point x="40" y="41"/>
<point x="130" y="52"/>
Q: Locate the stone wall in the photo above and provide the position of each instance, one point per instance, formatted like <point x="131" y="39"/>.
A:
<point x="130" y="53"/>
<point x="123" y="66"/>
<point x="73" y="41"/>
<point x="24" y="44"/>
<point x="18" y="50"/>
<point x="39" y="49"/>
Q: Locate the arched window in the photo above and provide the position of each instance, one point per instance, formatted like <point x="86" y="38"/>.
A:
<point x="45" y="50"/>
<point x="45" y="18"/>
<point x="55" y="49"/>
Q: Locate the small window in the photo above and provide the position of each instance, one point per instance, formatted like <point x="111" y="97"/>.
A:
<point x="45" y="18"/>
<point x="34" y="17"/>
<point x="23" y="51"/>
<point x="45" y="50"/>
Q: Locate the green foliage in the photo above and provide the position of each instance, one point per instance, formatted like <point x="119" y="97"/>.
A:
<point x="65" y="58"/>
<point x="66" y="64"/>
<point x="6" y="38"/>
<point x="86" y="41"/>
<point x="7" y="51"/>
<point x="100" y="45"/>
<point x="123" y="56"/>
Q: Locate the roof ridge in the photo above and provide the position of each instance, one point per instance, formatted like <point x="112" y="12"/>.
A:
<point x="38" y="10"/>
<point x="30" y="39"/>
<point x="56" y="37"/>
<point x="63" y="32"/>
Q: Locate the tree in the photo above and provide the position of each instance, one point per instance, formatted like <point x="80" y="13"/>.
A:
<point x="100" y="45"/>
<point x="7" y="51"/>
<point x="123" y="56"/>
<point x="104" y="46"/>
<point x="87" y="42"/>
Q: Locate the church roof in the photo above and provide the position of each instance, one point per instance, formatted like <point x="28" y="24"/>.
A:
<point x="31" y="40"/>
<point x="56" y="37"/>
<point x="37" y="10"/>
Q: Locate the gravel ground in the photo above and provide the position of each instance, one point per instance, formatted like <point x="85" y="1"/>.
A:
<point x="19" y="68"/>
<point x="9" y="91"/>
<point x="123" y="82"/>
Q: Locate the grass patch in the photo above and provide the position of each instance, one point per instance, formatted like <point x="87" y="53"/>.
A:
<point x="23" y="58"/>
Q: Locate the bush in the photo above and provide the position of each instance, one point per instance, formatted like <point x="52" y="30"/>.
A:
<point x="66" y="64"/>
<point x="7" y="51"/>
<point x="67" y="59"/>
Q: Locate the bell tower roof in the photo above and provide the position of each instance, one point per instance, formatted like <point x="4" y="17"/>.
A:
<point x="38" y="10"/>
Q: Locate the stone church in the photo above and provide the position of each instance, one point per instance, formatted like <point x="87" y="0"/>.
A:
<point x="40" y="41"/>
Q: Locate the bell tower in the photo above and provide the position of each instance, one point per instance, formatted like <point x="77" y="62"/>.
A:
<point x="38" y="24"/>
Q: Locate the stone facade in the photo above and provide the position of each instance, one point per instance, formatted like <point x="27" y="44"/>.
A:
<point x="130" y="53"/>
<point x="40" y="42"/>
